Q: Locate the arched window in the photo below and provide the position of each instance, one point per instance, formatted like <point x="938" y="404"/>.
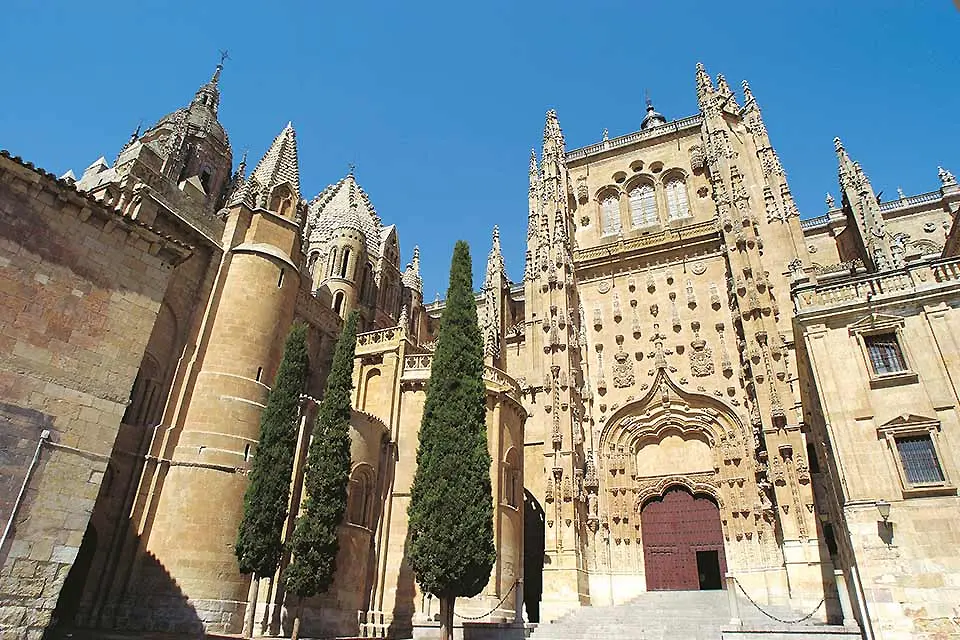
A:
<point x="643" y="206"/>
<point x="360" y="497"/>
<point x="610" y="215"/>
<point x="331" y="262"/>
<point x="512" y="488"/>
<point x="677" y="204"/>
<point x="338" y="302"/>
<point x="344" y="262"/>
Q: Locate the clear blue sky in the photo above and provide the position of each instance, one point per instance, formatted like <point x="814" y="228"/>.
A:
<point x="438" y="103"/>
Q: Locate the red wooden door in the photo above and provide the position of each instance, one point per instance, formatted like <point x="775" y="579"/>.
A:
<point x="674" y="528"/>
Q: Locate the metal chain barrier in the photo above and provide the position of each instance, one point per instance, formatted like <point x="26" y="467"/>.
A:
<point x="773" y="617"/>
<point x="502" y="600"/>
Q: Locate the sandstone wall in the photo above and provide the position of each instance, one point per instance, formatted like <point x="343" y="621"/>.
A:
<point x="80" y="289"/>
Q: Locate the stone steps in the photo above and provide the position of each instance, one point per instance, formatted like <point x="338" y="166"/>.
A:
<point x="683" y="615"/>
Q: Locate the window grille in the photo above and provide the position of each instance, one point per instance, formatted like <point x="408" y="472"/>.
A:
<point x="643" y="206"/>
<point x="610" y="210"/>
<point x="885" y="354"/>
<point x="919" y="459"/>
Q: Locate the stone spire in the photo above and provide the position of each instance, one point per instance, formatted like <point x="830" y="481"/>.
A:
<point x="208" y="95"/>
<point x="411" y="275"/>
<point x="747" y="93"/>
<point x="704" y="85"/>
<point x="279" y="165"/>
<point x="533" y="197"/>
<point x="946" y="178"/>
<point x="495" y="263"/>
<point x="861" y="204"/>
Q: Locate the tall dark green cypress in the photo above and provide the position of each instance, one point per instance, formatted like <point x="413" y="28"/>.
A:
<point x="314" y="544"/>
<point x="258" y="546"/>
<point x="451" y="505"/>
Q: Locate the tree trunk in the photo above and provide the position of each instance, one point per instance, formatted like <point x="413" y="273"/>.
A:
<point x="446" y="617"/>
<point x="295" y="632"/>
<point x="251" y="606"/>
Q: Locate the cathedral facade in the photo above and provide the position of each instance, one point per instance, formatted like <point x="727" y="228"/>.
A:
<point x="689" y="388"/>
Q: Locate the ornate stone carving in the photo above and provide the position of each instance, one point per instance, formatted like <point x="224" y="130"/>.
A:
<point x="617" y="309"/>
<point x="691" y="295"/>
<point x="622" y="369"/>
<point x="701" y="358"/>
<point x="597" y="319"/>
<point x="946" y="178"/>
<point x="803" y="471"/>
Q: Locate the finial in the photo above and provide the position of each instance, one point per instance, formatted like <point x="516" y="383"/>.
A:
<point x="416" y="258"/>
<point x="747" y="93"/>
<point x="606" y="134"/>
<point x="946" y="178"/>
<point x="722" y="85"/>
<point x="646" y="96"/>
<point x="837" y="144"/>
<point x="496" y="234"/>
<point x="831" y="204"/>
<point x="224" y="56"/>
<point x="243" y="158"/>
<point x="351" y="169"/>
<point x="900" y="193"/>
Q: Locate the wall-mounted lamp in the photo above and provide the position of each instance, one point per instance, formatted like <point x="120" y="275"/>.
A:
<point x="884" y="508"/>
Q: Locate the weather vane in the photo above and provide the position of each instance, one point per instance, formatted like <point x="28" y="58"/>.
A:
<point x="224" y="56"/>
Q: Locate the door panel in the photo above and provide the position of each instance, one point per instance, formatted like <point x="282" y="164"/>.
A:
<point x="674" y="528"/>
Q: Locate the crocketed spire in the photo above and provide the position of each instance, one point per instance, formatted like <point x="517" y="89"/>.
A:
<point x="279" y="165"/>
<point x="411" y="275"/>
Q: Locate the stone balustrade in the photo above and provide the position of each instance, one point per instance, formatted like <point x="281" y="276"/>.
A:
<point x="416" y="367"/>
<point x="912" y="280"/>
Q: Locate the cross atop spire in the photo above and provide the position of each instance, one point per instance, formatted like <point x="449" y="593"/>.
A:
<point x="224" y="56"/>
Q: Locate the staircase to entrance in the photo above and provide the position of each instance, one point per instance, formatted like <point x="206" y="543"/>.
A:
<point x="685" y="615"/>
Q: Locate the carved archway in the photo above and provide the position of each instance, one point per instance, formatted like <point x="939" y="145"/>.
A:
<point x="669" y="438"/>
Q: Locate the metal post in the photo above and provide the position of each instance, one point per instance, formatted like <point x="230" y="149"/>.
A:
<point x="518" y="597"/>
<point x="846" y="607"/>
<point x="735" y="620"/>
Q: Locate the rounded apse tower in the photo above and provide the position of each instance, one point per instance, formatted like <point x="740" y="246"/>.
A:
<point x="248" y="317"/>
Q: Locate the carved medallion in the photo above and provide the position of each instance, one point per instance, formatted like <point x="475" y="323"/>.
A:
<point x="698" y="268"/>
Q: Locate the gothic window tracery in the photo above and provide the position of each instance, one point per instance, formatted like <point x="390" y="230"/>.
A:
<point x="643" y="206"/>
<point x="678" y="205"/>
<point x="610" y="215"/>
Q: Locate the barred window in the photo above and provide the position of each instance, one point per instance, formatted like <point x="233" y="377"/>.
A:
<point x="643" y="206"/>
<point x="885" y="354"/>
<point x="610" y="212"/>
<point x="919" y="459"/>
<point x="677" y="204"/>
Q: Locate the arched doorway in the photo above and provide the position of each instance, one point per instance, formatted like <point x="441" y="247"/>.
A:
<point x="534" y="532"/>
<point x="682" y="542"/>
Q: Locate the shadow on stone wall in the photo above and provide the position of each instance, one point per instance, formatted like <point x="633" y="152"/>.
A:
<point x="156" y="604"/>
<point x="401" y="625"/>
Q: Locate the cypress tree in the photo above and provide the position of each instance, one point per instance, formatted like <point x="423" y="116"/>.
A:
<point x="451" y="506"/>
<point x="258" y="546"/>
<point x="314" y="544"/>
